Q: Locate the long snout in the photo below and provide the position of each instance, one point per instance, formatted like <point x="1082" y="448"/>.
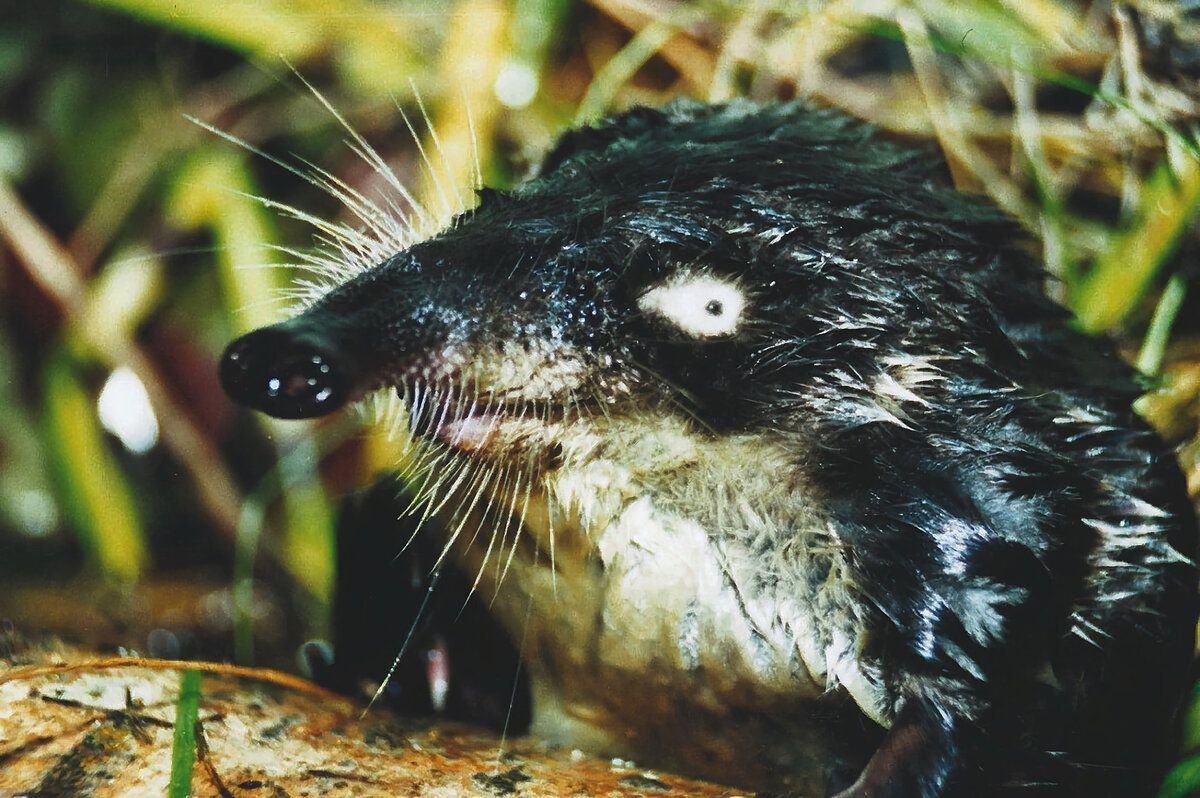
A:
<point x="387" y="320"/>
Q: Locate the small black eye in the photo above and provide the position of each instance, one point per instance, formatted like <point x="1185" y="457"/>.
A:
<point x="714" y="307"/>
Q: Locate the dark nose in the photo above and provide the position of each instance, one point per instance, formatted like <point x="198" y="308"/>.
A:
<point x="286" y="373"/>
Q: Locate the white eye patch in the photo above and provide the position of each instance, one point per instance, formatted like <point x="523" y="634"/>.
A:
<point x="700" y="305"/>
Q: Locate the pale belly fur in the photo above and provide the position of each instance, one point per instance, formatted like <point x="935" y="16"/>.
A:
<point x="719" y="641"/>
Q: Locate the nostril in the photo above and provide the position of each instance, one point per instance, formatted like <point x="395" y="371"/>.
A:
<point x="285" y="373"/>
<point x="236" y="367"/>
<point x="304" y="379"/>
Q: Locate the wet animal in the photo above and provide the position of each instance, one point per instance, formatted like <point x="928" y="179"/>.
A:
<point x="772" y="453"/>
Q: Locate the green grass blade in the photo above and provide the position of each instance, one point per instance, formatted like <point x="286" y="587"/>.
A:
<point x="1123" y="274"/>
<point x="1154" y="346"/>
<point x="94" y="489"/>
<point x="1183" y="781"/>
<point x="966" y="47"/>
<point x="277" y="29"/>
<point x="249" y="532"/>
<point x="183" y="748"/>
<point x="620" y="69"/>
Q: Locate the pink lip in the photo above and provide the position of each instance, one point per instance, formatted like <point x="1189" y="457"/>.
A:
<point x="470" y="434"/>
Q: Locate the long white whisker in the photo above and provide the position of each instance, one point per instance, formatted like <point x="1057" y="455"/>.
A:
<point x="428" y="224"/>
<point x="512" y="698"/>
<point x="463" y="515"/>
<point x="369" y="154"/>
<point x="506" y="475"/>
<point x="517" y="536"/>
<point x="432" y="171"/>
<point x="478" y="178"/>
<point x="388" y="226"/>
<point x="404" y="646"/>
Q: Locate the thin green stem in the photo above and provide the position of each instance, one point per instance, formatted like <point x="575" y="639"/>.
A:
<point x="183" y="749"/>
<point x="1154" y="346"/>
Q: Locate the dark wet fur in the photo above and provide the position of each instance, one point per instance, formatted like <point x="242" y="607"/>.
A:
<point x="976" y="497"/>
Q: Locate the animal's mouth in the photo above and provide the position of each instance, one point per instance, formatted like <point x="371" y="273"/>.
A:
<point x="485" y="421"/>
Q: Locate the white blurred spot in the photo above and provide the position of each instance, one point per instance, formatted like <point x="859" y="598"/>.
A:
<point x="516" y="85"/>
<point x="37" y="512"/>
<point x="14" y="153"/>
<point x="125" y="411"/>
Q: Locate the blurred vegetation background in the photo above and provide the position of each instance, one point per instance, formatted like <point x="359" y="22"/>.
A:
<point x="139" y="509"/>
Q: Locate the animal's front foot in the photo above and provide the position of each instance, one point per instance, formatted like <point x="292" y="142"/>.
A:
<point x="915" y="760"/>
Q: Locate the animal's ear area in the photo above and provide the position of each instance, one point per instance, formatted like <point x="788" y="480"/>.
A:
<point x="628" y="125"/>
<point x="596" y="138"/>
<point x="489" y="196"/>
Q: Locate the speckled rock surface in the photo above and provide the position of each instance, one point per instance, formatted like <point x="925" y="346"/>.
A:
<point x="72" y="726"/>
